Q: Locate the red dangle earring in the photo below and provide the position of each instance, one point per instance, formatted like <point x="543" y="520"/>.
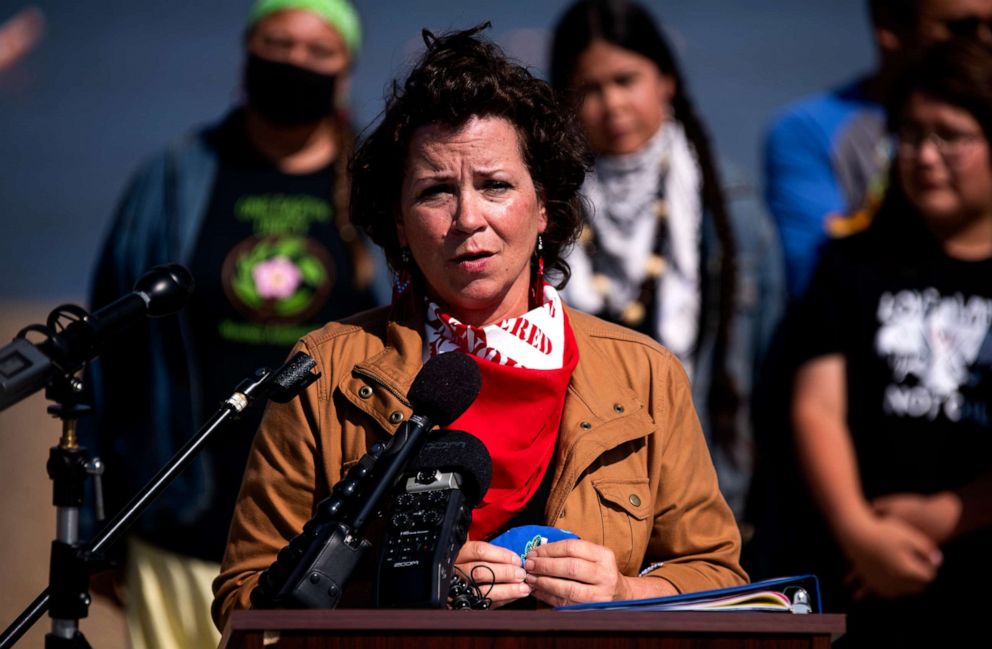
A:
<point x="537" y="289"/>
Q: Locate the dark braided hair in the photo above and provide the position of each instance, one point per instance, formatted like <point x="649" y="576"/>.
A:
<point x="459" y="77"/>
<point x="630" y="26"/>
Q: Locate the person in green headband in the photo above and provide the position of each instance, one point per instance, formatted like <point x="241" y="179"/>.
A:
<point x="339" y="14"/>
<point x="261" y="199"/>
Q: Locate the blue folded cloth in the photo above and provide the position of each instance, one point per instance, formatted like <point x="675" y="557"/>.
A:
<point x="525" y="538"/>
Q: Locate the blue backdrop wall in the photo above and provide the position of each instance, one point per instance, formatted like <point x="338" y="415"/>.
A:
<point x="112" y="81"/>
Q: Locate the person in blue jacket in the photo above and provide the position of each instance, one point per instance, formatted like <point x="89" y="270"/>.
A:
<point x="827" y="156"/>
<point x="256" y="207"/>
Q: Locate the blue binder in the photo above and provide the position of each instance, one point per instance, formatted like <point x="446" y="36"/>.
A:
<point x="802" y="590"/>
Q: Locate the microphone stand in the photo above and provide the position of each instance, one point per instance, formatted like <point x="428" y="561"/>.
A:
<point x="67" y="596"/>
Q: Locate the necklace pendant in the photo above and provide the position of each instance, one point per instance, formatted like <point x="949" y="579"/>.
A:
<point x="661" y="209"/>
<point x="633" y="314"/>
<point x="601" y="283"/>
<point x="655" y="266"/>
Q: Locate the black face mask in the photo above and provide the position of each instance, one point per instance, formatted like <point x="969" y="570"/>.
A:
<point x="287" y="94"/>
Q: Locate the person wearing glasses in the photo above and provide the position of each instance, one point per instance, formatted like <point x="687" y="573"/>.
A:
<point x="826" y="156"/>
<point x="892" y="405"/>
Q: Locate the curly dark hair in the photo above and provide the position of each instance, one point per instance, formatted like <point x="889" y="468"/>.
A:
<point x="459" y="77"/>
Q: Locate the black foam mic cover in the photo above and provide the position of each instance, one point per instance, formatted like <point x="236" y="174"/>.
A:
<point x="290" y="379"/>
<point x="461" y="453"/>
<point x="445" y="387"/>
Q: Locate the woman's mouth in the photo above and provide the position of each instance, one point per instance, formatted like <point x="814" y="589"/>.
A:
<point x="472" y="260"/>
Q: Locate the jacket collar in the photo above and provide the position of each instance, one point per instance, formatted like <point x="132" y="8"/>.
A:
<point x="598" y="415"/>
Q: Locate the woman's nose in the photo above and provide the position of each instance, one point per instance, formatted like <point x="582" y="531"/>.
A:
<point x="469" y="211"/>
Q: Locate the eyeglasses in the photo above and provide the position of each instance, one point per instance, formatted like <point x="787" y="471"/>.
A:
<point x="950" y="144"/>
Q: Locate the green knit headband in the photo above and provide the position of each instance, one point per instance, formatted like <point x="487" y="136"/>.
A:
<point x="339" y="13"/>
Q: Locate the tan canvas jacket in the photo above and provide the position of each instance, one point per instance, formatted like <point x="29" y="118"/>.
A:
<point x="633" y="472"/>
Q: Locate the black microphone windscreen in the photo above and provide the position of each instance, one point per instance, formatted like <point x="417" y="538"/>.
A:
<point x="290" y="379"/>
<point x="462" y="453"/>
<point x="445" y="387"/>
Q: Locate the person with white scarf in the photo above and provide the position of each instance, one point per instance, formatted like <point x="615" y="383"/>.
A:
<point x="660" y="252"/>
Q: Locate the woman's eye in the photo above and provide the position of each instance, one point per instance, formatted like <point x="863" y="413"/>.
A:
<point x="432" y="191"/>
<point x="497" y="185"/>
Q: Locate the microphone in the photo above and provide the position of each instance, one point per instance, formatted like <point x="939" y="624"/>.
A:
<point x="431" y="514"/>
<point x="289" y="380"/>
<point x="26" y="367"/>
<point x="311" y="571"/>
<point x="281" y="385"/>
<point x="444" y="388"/>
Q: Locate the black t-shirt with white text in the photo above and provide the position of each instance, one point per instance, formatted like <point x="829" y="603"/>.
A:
<point x="914" y="327"/>
<point x="914" y="332"/>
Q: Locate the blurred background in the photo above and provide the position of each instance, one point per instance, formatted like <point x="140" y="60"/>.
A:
<point x="90" y="89"/>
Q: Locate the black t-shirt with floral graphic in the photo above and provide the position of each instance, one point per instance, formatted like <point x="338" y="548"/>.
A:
<point x="269" y="266"/>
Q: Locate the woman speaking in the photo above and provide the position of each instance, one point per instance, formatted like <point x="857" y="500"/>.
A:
<point x="470" y="185"/>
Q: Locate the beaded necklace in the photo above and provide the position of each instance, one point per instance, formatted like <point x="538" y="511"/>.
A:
<point x="634" y="313"/>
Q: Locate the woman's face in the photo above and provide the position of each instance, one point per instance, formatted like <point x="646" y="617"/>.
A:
<point x="302" y="38"/>
<point x="943" y="162"/>
<point x="623" y="97"/>
<point x="470" y="214"/>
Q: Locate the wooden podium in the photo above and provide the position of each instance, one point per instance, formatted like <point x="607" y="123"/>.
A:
<point x="434" y="629"/>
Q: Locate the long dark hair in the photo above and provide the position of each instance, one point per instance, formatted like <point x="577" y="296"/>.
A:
<point x="630" y="26"/>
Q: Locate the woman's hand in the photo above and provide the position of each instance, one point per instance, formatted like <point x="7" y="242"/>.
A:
<point x="574" y="571"/>
<point x="890" y="558"/>
<point x="487" y="563"/>
<point x="936" y="515"/>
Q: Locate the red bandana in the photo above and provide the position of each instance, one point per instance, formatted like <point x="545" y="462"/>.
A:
<point x="518" y="411"/>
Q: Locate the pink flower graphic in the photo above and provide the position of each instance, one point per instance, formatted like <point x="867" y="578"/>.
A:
<point x="276" y="278"/>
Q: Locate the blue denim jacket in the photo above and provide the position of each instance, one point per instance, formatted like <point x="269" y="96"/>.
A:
<point x="760" y="302"/>
<point x="146" y="397"/>
<point x="155" y="223"/>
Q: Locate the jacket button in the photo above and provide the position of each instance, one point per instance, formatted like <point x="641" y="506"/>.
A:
<point x="585" y="425"/>
<point x="618" y="408"/>
<point x="635" y="500"/>
<point x="395" y="417"/>
<point x="365" y="392"/>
